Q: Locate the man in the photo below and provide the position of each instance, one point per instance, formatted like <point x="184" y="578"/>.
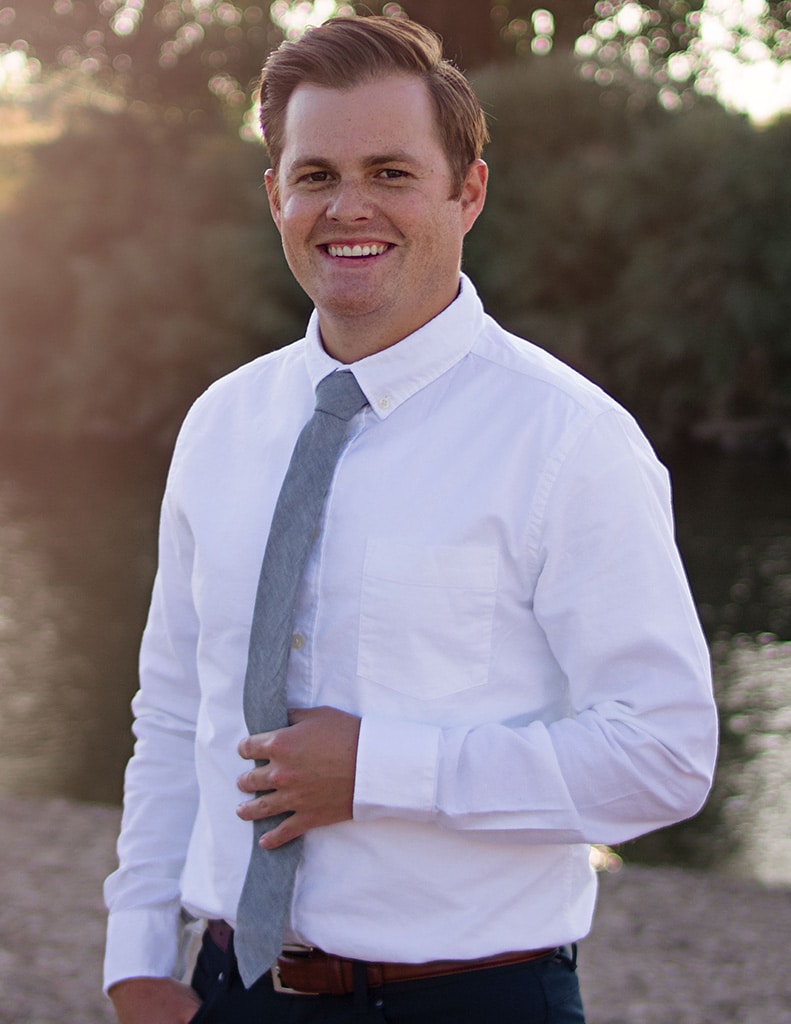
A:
<point x="495" y="659"/>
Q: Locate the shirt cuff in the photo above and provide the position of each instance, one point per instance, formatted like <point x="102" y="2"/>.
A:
<point x="397" y="765"/>
<point x="141" y="944"/>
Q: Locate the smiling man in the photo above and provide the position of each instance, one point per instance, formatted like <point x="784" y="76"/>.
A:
<point x="491" y="659"/>
<point x="371" y="218"/>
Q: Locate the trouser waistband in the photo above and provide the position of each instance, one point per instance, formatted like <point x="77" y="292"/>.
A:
<point x="306" y="971"/>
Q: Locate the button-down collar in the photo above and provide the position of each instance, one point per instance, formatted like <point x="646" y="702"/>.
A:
<point x="388" y="378"/>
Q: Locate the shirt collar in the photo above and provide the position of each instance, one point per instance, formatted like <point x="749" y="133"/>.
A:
<point x="390" y="377"/>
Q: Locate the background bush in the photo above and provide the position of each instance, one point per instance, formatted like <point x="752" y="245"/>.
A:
<point x="651" y="250"/>
<point x="137" y="265"/>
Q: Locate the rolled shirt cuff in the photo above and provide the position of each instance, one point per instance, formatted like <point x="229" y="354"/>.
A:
<point x="397" y="763"/>
<point x="142" y="944"/>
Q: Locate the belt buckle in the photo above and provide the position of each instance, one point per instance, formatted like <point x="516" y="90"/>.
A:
<point x="277" y="984"/>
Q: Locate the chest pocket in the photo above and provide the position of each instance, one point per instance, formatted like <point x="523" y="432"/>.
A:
<point x="426" y="618"/>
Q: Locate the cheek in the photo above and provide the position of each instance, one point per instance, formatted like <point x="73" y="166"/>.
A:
<point x="298" y="212"/>
<point x="297" y="221"/>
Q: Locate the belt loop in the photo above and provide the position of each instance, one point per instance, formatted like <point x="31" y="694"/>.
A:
<point x="573" y="963"/>
<point x="360" y="977"/>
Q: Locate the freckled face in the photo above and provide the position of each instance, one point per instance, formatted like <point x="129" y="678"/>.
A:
<point x="362" y="200"/>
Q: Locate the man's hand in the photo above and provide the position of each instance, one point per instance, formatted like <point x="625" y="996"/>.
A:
<point x="310" y="773"/>
<point x="154" y="1001"/>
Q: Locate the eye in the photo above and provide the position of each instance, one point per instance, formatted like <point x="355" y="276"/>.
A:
<point x="392" y="174"/>
<point x="315" y="177"/>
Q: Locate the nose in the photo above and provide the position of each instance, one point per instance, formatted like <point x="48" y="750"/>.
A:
<point x="350" y="202"/>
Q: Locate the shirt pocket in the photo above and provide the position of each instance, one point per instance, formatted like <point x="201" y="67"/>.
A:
<point x="426" y="618"/>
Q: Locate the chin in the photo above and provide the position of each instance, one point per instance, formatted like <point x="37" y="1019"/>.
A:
<point x="344" y="302"/>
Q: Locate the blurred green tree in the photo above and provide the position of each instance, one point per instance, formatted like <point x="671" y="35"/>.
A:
<point x="688" y="48"/>
<point x="194" y="57"/>
<point x="702" y="301"/>
<point x="138" y="264"/>
<point x="181" y="53"/>
<point x="650" y="251"/>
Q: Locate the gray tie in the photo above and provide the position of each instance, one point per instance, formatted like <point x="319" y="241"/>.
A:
<point x="268" y="887"/>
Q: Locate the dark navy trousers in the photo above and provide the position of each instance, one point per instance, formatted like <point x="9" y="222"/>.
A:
<point x="538" y="992"/>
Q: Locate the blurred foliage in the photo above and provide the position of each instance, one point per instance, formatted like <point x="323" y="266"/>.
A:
<point x="137" y="265"/>
<point x="479" y="32"/>
<point x="199" y="58"/>
<point x="194" y="58"/>
<point x="650" y="250"/>
<point x="689" y="48"/>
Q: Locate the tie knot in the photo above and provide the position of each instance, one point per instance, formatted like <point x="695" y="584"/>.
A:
<point x="340" y="395"/>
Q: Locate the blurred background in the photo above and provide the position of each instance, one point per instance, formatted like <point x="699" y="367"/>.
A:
<point x="638" y="226"/>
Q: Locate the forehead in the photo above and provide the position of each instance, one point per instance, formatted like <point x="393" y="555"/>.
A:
<point x="393" y="111"/>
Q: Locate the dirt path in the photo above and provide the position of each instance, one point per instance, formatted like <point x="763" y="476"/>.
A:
<point x="668" y="947"/>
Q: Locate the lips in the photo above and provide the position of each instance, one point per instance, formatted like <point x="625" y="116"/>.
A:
<point x="356" y="250"/>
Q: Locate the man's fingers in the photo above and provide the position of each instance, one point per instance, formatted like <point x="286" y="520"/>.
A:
<point x="247" y="784"/>
<point x="266" y="805"/>
<point x="283" y="833"/>
<point x="307" y="772"/>
<point x="265" y="777"/>
<point x="258" y="747"/>
<point x="153" y="1001"/>
<point x="257" y="780"/>
<point x="252" y="810"/>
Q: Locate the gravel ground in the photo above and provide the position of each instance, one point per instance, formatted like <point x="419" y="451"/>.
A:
<point x="668" y="946"/>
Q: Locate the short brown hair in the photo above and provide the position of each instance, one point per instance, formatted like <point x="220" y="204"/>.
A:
<point x="345" y="52"/>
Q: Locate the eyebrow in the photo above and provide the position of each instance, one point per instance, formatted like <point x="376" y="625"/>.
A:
<point x="398" y="156"/>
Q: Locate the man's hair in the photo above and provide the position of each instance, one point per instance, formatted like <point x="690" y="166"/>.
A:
<point x="345" y="52"/>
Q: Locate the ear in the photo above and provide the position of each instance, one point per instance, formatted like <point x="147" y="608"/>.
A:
<point x="473" y="193"/>
<point x="273" y="193"/>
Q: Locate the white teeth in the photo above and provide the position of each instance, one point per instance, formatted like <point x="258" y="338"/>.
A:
<point x="347" y="251"/>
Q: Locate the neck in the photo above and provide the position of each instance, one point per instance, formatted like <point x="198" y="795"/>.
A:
<point x="351" y="338"/>
<point x="348" y="343"/>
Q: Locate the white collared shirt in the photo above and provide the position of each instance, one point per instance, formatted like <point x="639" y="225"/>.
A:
<point x="495" y="590"/>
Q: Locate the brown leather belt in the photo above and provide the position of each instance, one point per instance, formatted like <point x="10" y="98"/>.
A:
<point x="301" y="970"/>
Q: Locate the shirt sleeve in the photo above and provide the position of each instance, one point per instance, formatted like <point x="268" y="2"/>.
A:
<point x="636" y="749"/>
<point x="160" y="789"/>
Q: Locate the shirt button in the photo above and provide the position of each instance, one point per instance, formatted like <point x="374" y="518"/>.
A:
<point x="384" y="402"/>
<point x="297" y="641"/>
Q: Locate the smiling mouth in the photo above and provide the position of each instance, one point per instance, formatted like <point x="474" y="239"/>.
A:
<point x="357" y="251"/>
